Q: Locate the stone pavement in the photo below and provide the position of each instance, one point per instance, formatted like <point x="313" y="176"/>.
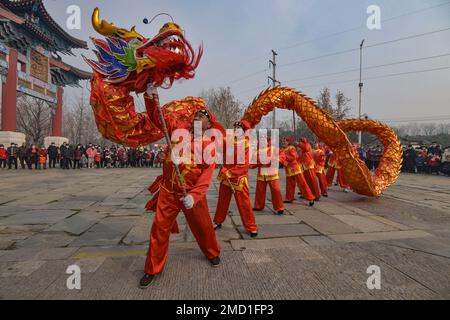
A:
<point x="95" y="219"/>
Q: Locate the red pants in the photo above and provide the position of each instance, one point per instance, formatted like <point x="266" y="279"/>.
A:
<point x="198" y="220"/>
<point x="299" y="180"/>
<point x="322" y="182"/>
<point x="311" y="180"/>
<point x="243" y="204"/>
<point x="260" y="196"/>
<point x="340" y="178"/>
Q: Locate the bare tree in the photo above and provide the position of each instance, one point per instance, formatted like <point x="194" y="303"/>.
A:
<point x="324" y="100"/>
<point x="79" y="123"/>
<point x="224" y="105"/>
<point x="428" y="129"/>
<point x="33" y="118"/>
<point x="342" y="109"/>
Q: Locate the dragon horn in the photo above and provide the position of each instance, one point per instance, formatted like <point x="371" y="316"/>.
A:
<point x="108" y="29"/>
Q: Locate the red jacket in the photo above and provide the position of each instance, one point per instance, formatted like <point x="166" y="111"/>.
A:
<point x="320" y="158"/>
<point x="3" y="153"/>
<point x="306" y="157"/>
<point x="289" y="159"/>
<point x="43" y="156"/>
<point x="237" y="172"/>
<point x="197" y="177"/>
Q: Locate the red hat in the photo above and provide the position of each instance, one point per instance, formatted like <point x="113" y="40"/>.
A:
<point x="289" y="139"/>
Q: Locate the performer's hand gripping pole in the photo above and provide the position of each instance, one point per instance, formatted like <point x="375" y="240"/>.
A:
<point x="169" y="143"/>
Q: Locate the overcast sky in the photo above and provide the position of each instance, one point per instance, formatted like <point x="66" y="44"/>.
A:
<point x="238" y="37"/>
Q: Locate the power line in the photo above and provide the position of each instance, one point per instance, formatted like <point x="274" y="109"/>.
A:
<point x="344" y="51"/>
<point x="339" y="33"/>
<point x="369" y="46"/>
<point x="252" y="89"/>
<point x="379" y="77"/>
<point x="351" y="70"/>
<point x="376" y="77"/>
<point x="363" y="27"/>
<point x="369" y="68"/>
<point x="424" y="118"/>
<point x="244" y="77"/>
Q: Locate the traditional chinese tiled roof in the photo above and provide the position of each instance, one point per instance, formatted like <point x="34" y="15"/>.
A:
<point x="27" y="7"/>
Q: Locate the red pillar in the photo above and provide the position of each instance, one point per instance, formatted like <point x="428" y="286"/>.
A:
<point x="57" y="117"/>
<point x="9" y="94"/>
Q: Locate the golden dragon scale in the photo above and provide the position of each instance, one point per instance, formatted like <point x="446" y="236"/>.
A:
<point x="333" y="134"/>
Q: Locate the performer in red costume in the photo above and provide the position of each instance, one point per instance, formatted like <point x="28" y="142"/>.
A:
<point x="294" y="174"/>
<point x="169" y="201"/>
<point x="308" y="166"/>
<point x="333" y="166"/>
<point x="268" y="175"/>
<point x="234" y="180"/>
<point x="320" y="159"/>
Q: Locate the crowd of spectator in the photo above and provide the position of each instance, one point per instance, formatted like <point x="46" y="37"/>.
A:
<point x="422" y="159"/>
<point x="80" y="156"/>
<point x="416" y="159"/>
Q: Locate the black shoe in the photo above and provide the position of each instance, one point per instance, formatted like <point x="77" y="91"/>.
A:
<point x="311" y="203"/>
<point x="254" y="209"/>
<point x="146" y="281"/>
<point x="325" y="195"/>
<point x="287" y="201"/>
<point x="280" y="213"/>
<point x="217" y="227"/>
<point x="215" y="262"/>
<point x="253" y="234"/>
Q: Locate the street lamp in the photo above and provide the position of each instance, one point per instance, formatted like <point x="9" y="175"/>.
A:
<point x="361" y="85"/>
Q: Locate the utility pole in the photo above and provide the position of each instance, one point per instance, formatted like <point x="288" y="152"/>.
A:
<point x="273" y="64"/>
<point x="361" y="85"/>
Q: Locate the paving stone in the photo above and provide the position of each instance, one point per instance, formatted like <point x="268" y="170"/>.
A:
<point x="331" y="208"/>
<point x="388" y="222"/>
<point x="318" y="241"/>
<point x="269" y="220"/>
<point x="88" y="265"/>
<point x="298" y="267"/>
<point x="260" y="244"/>
<point x="431" y="245"/>
<point x="72" y="204"/>
<point x="280" y="231"/>
<point x="37" y="217"/>
<point x="364" y="224"/>
<point x="256" y="256"/>
<point x="78" y="223"/>
<point x="324" y="223"/>
<point x="19" y="255"/>
<point x="46" y="240"/>
<point x="140" y="233"/>
<point x="5" y="245"/>
<point x="380" y="236"/>
<point x="54" y="253"/>
<point x="109" y="252"/>
<point x="21" y="269"/>
<point x="6" y="211"/>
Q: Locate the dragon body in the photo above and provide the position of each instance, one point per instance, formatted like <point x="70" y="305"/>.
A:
<point x="128" y="62"/>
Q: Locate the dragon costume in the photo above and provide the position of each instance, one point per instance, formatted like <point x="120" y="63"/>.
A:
<point x="128" y="62"/>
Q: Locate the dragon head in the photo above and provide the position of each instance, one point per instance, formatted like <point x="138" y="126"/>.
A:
<point x="127" y="58"/>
